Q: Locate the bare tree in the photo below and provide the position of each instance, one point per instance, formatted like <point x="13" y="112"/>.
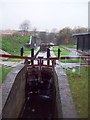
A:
<point x="25" y="26"/>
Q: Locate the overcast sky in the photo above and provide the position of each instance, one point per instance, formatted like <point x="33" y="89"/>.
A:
<point x="44" y="14"/>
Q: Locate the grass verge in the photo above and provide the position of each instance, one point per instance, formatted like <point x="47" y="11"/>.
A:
<point x="26" y="53"/>
<point x="3" y="73"/>
<point x="65" y="53"/>
<point x="79" y="88"/>
<point x="71" y="46"/>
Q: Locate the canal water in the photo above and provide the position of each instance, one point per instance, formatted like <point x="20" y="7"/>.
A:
<point x="39" y="101"/>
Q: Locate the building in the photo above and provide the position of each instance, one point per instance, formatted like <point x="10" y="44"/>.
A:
<point x="5" y="33"/>
<point x="83" y="42"/>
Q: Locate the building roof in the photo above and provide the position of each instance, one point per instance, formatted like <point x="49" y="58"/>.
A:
<point x="81" y="34"/>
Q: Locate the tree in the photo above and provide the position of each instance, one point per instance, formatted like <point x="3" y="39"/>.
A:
<point x="64" y="36"/>
<point x="25" y="26"/>
<point x="51" y="37"/>
<point x="79" y="30"/>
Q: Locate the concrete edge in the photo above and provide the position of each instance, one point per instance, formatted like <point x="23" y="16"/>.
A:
<point x="67" y="104"/>
<point x="7" y="86"/>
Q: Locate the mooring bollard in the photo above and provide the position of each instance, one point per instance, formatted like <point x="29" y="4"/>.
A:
<point x="32" y="55"/>
<point x="48" y="55"/>
<point x="59" y="51"/>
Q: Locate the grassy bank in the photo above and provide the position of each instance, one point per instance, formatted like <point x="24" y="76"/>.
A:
<point x="26" y="53"/>
<point x="3" y="73"/>
<point x="13" y="44"/>
<point x="79" y="89"/>
<point x="65" y="52"/>
<point x="70" y="46"/>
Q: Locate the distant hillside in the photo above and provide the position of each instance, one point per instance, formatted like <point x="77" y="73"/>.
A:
<point x="12" y="44"/>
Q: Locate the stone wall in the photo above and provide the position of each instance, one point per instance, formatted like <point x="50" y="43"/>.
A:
<point x="13" y="92"/>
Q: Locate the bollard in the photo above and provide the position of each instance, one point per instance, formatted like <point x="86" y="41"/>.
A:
<point x="32" y="55"/>
<point x="22" y="51"/>
<point x="65" y="65"/>
<point x="59" y="52"/>
<point x="48" y="55"/>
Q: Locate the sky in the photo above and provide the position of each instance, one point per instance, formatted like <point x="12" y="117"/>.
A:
<point x="43" y="14"/>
